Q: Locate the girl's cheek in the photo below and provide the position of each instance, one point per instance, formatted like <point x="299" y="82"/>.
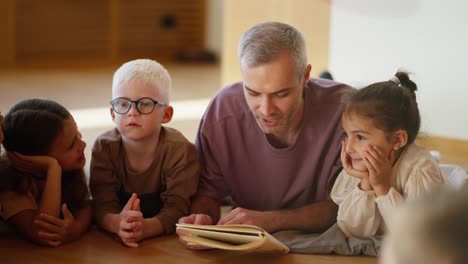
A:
<point x="363" y="149"/>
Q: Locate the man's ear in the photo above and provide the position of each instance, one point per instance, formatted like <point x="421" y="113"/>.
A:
<point x="112" y="114"/>
<point x="400" y="138"/>
<point x="306" y="75"/>
<point x="168" y="112"/>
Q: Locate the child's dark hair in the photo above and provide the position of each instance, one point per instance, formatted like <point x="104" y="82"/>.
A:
<point x="30" y="128"/>
<point x="32" y="125"/>
<point x="391" y="105"/>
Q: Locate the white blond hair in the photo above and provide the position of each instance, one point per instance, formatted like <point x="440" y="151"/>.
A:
<point x="145" y="70"/>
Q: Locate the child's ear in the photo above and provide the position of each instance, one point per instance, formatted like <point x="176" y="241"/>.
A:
<point x="400" y="138"/>
<point x="168" y="112"/>
<point x="112" y="114"/>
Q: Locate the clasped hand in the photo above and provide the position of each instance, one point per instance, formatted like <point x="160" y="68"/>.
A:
<point x="131" y="222"/>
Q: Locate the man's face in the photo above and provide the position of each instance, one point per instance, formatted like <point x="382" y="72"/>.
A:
<point x="274" y="95"/>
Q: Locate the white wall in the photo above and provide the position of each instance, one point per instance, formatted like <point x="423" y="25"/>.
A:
<point x="372" y="39"/>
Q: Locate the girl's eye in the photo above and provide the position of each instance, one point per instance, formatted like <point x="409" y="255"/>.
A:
<point x="360" y="137"/>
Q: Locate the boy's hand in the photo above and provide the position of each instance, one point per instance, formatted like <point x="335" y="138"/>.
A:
<point x="131" y="222"/>
<point x="53" y="230"/>
<point x="37" y="165"/>
<point x="380" y="166"/>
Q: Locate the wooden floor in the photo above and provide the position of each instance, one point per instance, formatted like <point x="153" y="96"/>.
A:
<point x="99" y="247"/>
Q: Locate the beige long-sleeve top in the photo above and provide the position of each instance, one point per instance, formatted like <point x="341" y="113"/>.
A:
<point x="363" y="213"/>
<point x="167" y="185"/>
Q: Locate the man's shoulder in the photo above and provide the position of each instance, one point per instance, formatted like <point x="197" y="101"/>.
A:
<point x="231" y="93"/>
<point x="324" y="90"/>
<point x="228" y="104"/>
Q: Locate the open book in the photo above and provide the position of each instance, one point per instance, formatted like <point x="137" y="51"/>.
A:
<point x="232" y="237"/>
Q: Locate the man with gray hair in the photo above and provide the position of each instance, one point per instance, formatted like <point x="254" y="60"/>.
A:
<point x="271" y="143"/>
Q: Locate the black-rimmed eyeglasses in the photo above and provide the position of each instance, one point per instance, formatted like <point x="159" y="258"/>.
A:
<point x="145" y="105"/>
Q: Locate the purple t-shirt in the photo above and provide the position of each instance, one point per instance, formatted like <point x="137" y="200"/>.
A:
<point x="238" y="161"/>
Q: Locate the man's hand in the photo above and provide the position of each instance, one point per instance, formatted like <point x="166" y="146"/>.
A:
<point x="264" y="220"/>
<point x="53" y="230"/>
<point x="196" y="219"/>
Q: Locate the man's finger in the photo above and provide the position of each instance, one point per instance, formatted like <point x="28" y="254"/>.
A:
<point x="229" y="217"/>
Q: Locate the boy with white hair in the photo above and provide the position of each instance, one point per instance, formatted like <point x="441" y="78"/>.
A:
<point x="142" y="173"/>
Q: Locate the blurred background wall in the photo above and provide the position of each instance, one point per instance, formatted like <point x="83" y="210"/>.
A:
<point x="359" y="42"/>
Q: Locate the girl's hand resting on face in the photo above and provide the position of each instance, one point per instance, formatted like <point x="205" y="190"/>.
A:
<point x="379" y="165"/>
<point x="36" y="165"/>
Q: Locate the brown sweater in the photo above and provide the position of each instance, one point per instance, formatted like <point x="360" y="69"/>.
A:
<point x="164" y="189"/>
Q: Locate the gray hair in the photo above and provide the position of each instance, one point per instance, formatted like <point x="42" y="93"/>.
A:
<point x="263" y="42"/>
<point x="145" y="70"/>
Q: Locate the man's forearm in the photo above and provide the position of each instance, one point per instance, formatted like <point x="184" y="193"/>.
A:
<point x="316" y="217"/>
<point x="205" y="205"/>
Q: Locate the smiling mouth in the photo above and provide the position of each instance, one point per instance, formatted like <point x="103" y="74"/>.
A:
<point x="356" y="160"/>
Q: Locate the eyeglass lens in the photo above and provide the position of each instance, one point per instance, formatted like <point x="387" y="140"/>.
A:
<point x="123" y="105"/>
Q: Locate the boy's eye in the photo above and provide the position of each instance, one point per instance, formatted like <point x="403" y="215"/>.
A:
<point x="144" y="104"/>
<point x="360" y="137"/>
<point x="282" y="94"/>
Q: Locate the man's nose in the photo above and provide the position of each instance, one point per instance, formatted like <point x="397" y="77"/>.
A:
<point x="266" y="106"/>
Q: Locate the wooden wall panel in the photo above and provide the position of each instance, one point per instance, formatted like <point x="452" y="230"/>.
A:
<point x="160" y="28"/>
<point x="61" y="28"/>
<point x="108" y="30"/>
<point x="453" y="151"/>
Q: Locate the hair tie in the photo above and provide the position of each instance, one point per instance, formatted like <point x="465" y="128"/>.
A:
<point x="395" y="80"/>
